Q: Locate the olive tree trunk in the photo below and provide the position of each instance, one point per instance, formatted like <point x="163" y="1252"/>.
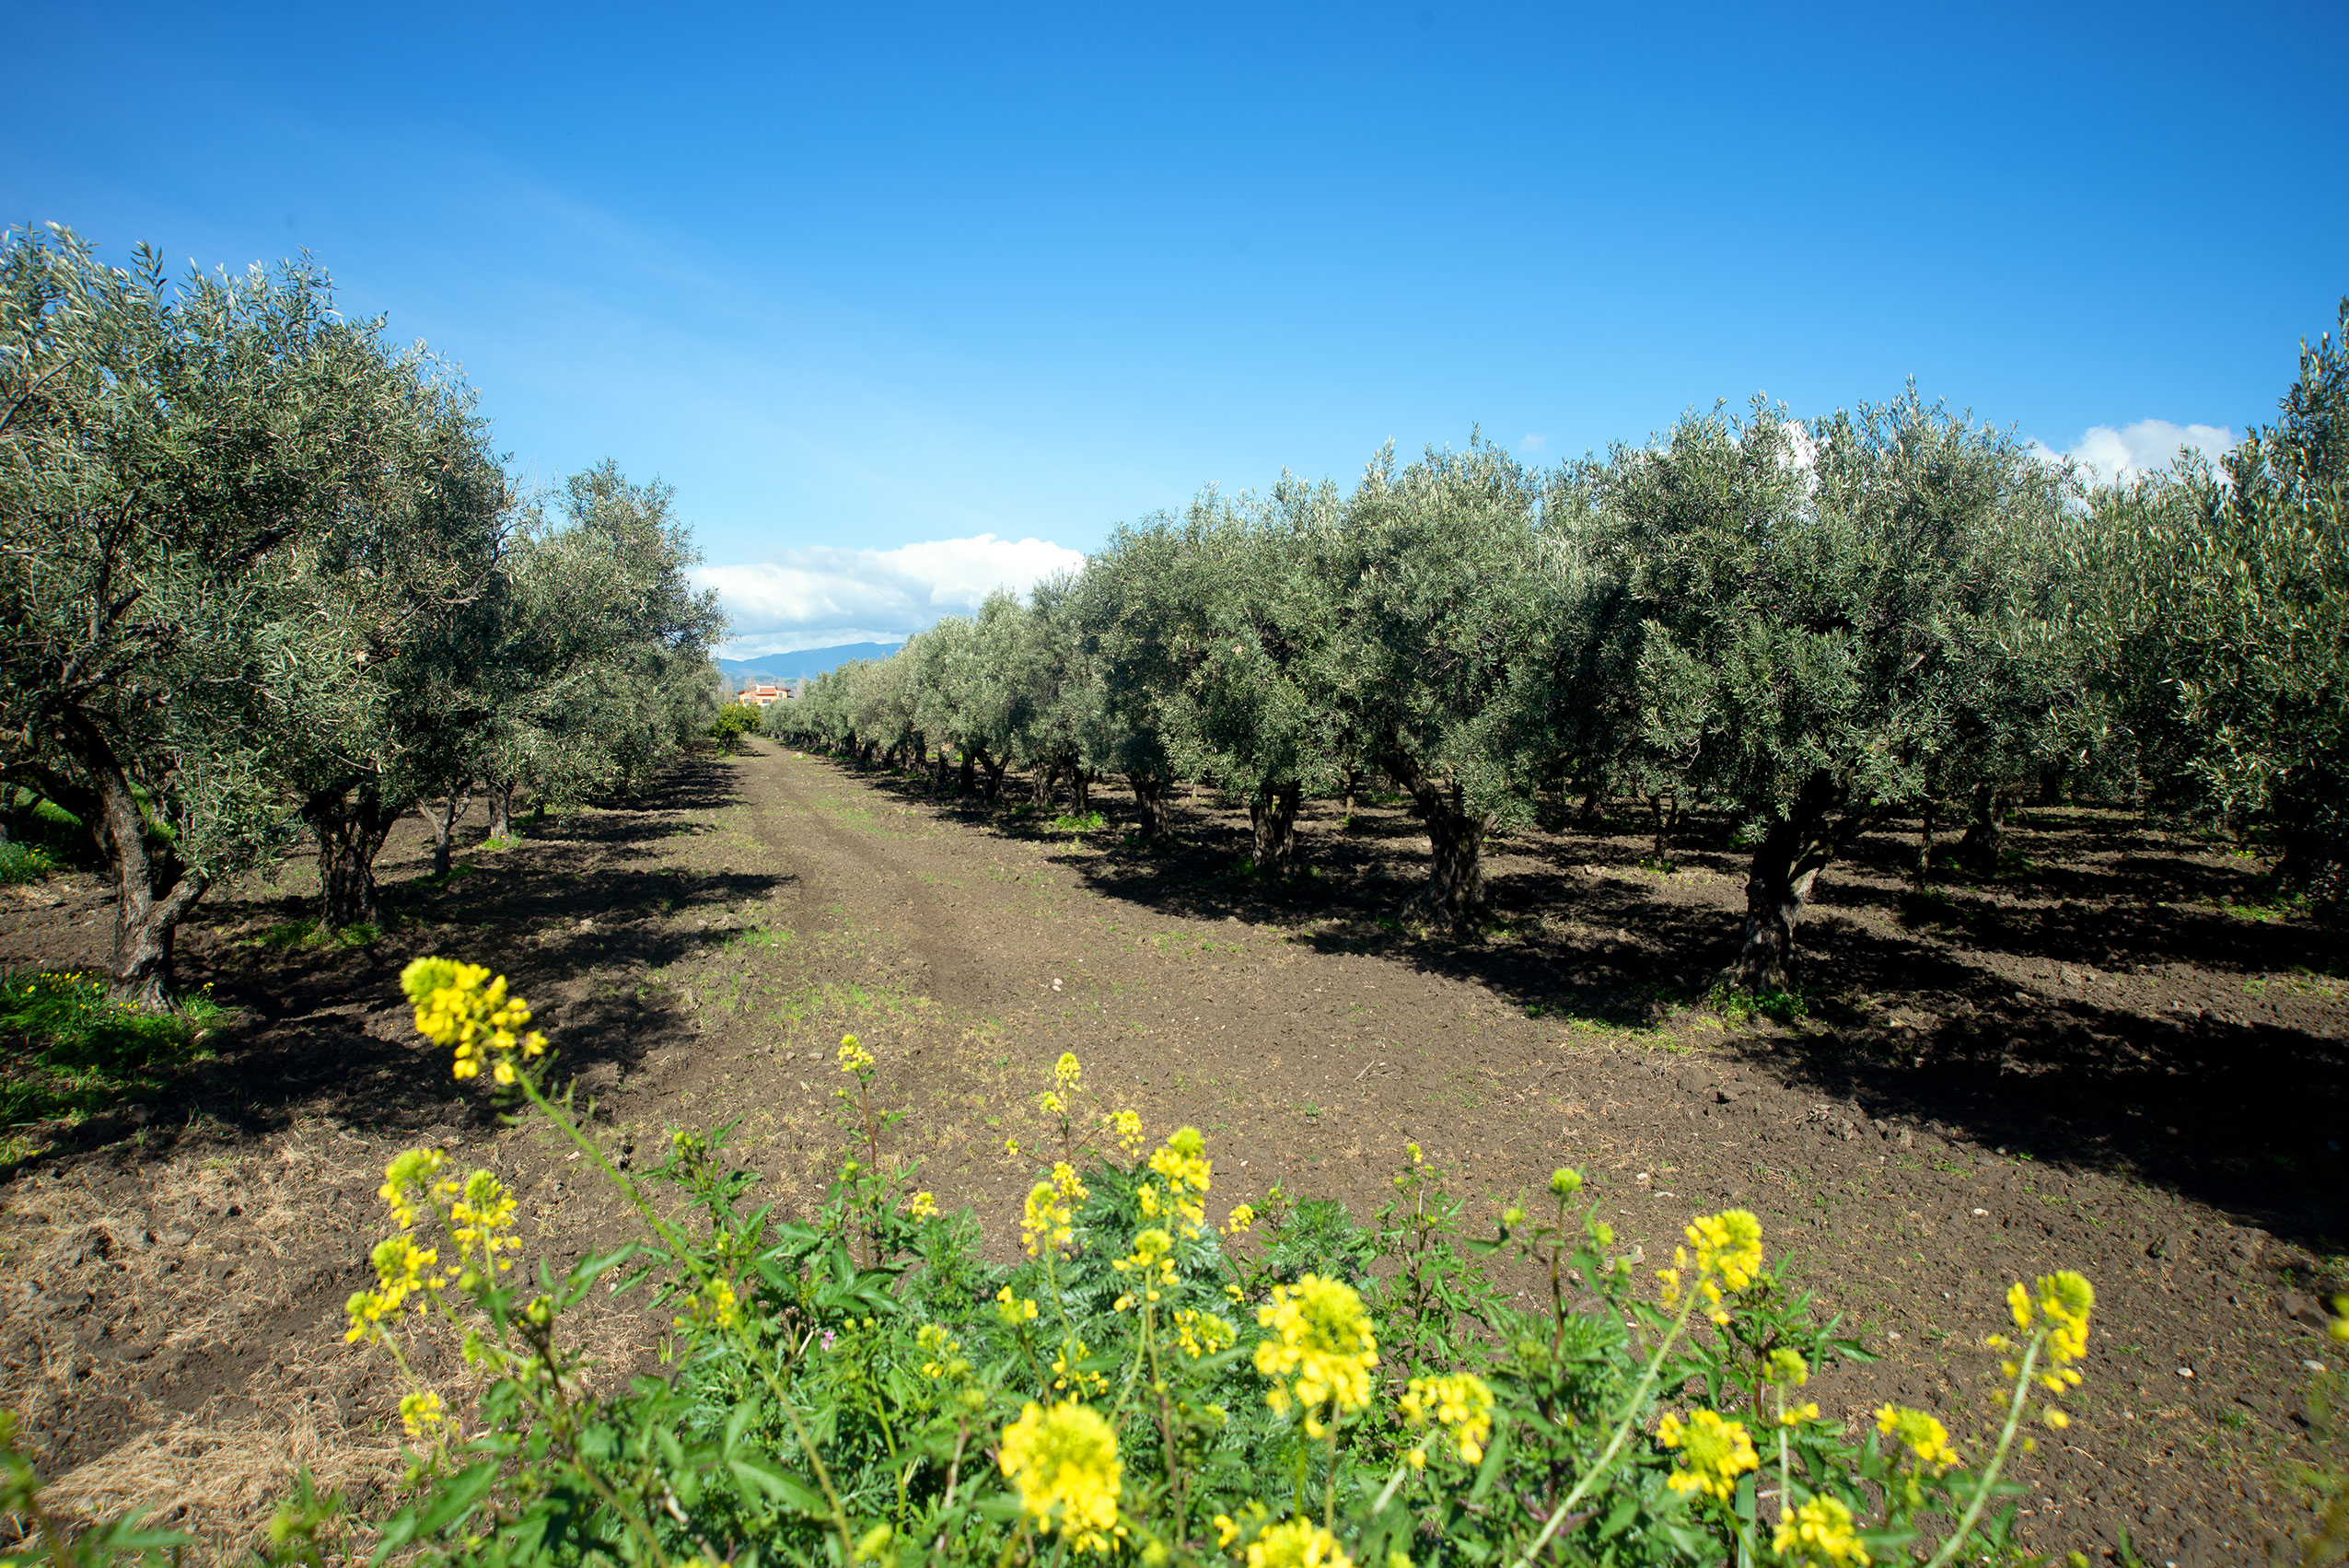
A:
<point x="1149" y="808"/>
<point x="1778" y="883"/>
<point x="442" y="816"/>
<point x="500" y="800"/>
<point x="1986" y="839"/>
<point x="1455" y="894"/>
<point x="153" y="891"/>
<point x="350" y="828"/>
<point x="1271" y="817"/>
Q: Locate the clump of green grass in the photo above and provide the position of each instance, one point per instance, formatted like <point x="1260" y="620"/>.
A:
<point x="1740" y="1007"/>
<point x="294" y="934"/>
<point x="68" y="1051"/>
<point x="23" y="863"/>
<point x="1091" y="822"/>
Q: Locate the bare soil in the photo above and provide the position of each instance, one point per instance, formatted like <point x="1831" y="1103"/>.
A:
<point x="2111" y="1058"/>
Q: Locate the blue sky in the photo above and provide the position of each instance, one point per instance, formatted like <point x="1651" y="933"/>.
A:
<point x="884" y="291"/>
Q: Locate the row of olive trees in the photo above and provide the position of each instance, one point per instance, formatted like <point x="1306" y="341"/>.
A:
<point x="1810" y="626"/>
<point x="260" y="571"/>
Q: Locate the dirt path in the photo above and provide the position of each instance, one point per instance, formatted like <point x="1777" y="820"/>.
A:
<point x="1987" y="1103"/>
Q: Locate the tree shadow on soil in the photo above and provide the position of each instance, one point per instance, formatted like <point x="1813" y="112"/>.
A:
<point x="325" y="1031"/>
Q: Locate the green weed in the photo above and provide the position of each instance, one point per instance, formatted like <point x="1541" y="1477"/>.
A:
<point x="23" y="863"/>
<point x="67" y="1050"/>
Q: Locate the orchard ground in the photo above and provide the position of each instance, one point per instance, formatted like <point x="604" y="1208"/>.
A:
<point x="2112" y="1057"/>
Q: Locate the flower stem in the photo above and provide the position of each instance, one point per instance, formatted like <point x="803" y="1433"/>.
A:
<point x="1965" y="1521"/>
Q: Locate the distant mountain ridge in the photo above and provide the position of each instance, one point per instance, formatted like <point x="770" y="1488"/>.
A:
<point x="799" y="665"/>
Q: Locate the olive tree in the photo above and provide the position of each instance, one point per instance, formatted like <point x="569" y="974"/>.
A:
<point x="1817" y="607"/>
<point x="181" y="465"/>
<point x="2225" y="624"/>
<point x="1453" y="610"/>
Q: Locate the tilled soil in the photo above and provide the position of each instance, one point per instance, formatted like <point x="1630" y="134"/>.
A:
<point x="2104" y="1059"/>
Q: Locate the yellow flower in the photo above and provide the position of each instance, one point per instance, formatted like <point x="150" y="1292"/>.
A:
<point x="1203" y="1334"/>
<point x="421" y="1412"/>
<point x="714" y="1306"/>
<point x="1786" y="1368"/>
<point x="1181" y="1164"/>
<point x="479" y="1222"/>
<point x="1126" y="1128"/>
<point x="1014" y="1309"/>
<point x="462" y="1006"/>
<point x="945" y="1352"/>
<point x="1300" y="1543"/>
<point x="854" y="1057"/>
<point x="2339" y="1327"/>
<point x="1065" y="1464"/>
<point x="1714" y="1452"/>
<point x="1321" y="1347"/>
<point x="1463" y="1402"/>
<point x="1066" y="1073"/>
<point x="1068" y="1371"/>
<point x="1821" y="1533"/>
<point x="1728" y="1252"/>
<point x="1243" y="1217"/>
<point x="408" y="1182"/>
<point x="1926" y="1439"/>
<point x="1045" y="1222"/>
<point x="1065" y="1183"/>
<point x="1565" y="1183"/>
<point x="2064" y="1300"/>
<point x="1050" y="1104"/>
<point x="924" y="1207"/>
<point x="1151" y="1263"/>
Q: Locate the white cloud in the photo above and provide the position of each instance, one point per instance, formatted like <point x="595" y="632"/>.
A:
<point x="2112" y="456"/>
<point x="819" y="597"/>
<point x="1533" y="443"/>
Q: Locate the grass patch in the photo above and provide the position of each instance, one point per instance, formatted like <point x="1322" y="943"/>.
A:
<point x="1739" y="1008"/>
<point x="296" y="935"/>
<point x="1091" y="822"/>
<point x="759" y="936"/>
<point x="23" y="863"/>
<point x="68" y="1052"/>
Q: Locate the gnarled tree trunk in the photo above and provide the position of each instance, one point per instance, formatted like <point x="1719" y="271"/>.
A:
<point x="1665" y="805"/>
<point x="1986" y="839"/>
<point x="1271" y="817"/>
<point x="350" y="828"/>
<point x="1148" y="810"/>
<point x="967" y="780"/>
<point x="994" y="767"/>
<point x="153" y="892"/>
<point x="443" y="817"/>
<point x="500" y="800"/>
<point x="1779" y="880"/>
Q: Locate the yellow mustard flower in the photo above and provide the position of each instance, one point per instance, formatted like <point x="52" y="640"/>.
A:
<point x="714" y="1306"/>
<point x="1565" y="1183"/>
<point x="1714" y="1452"/>
<point x="924" y="1206"/>
<point x="1151" y="1263"/>
<point x="1299" y="1543"/>
<point x="1066" y="1073"/>
<point x="1014" y="1309"/>
<point x="1926" y="1439"/>
<point x="1181" y="1164"/>
<point x="1203" y="1334"/>
<point x="854" y="1057"/>
<point x="1049" y="1103"/>
<point x="1786" y="1368"/>
<point x="1045" y="1221"/>
<point x="411" y="1182"/>
<point x="1242" y="1219"/>
<point x="1461" y="1403"/>
<point x="480" y="1221"/>
<point x="1126" y="1128"/>
<point x="2062" y="1302"/>
<point x="1728" y="1253"/>
<point x="1320" y="1350"/>
<point x="1065" y="1464"/>
<point x="463" y="1006"/>
<point x="421" y="1412"/>
<point x="1821" y="1532"/>
<point x="2339" y="1327"/>
<point x="1066" y="1182"/>
<point x="944" y="1350"/>
<point x="1068" y="1371"/>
